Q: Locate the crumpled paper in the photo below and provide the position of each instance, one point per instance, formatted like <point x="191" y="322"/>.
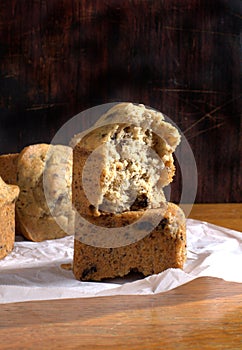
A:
<point x="33" y="270"/>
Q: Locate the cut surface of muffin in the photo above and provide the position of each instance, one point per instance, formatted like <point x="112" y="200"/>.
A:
<point x="122" y="166"/>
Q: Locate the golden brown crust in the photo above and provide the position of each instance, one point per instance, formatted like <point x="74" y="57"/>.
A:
<point x="8" y="197"/>
<point x="164" y="247"/>
<point x="143" y="116"/>
<point x="8" y="167"/>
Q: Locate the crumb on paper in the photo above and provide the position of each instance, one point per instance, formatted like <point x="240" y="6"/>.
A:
<point x="66" y="266"/>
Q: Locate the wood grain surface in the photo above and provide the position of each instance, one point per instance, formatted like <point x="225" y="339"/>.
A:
<point x="222" y="214"/>
<point x="60" y="57"/>
<point x="203" y="314"/>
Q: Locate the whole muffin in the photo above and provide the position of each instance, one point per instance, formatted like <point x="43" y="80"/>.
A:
<point x="44" y="208"/>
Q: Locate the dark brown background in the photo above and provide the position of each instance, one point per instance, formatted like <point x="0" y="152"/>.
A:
<point x="59" y="57"/>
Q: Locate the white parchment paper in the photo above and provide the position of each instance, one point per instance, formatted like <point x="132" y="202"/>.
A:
<point x="33" y="270"/>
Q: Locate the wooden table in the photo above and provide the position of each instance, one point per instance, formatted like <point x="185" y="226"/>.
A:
<point x="203" y="314"/>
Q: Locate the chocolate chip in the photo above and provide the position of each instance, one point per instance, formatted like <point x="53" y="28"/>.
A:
<point x="163" y="223"/>
<point x="145" y="225"/>
<point x="127" y="129"/>
<point x="114" y="136"/>
<point x="92" y="208"/>
<point x="88" y="271"/>
<point x="140" y="202"/>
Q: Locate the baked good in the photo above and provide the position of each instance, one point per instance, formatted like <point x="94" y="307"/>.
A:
<point x="44" y="208"/>
<point x="145" y="117"/>
<point x="157" y="248"/>
<point x="123" y="222"/>
<point x="8" y="172"/>
<point x="8" y="197"/>
<point x="124" y="161"/>
<point x="8" y="167"/>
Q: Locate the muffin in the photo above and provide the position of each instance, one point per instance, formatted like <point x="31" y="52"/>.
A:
<point x="124" y="161"/>
<point x="123" y="222"/>
<point x="149" y="247"/>
<point x="44" y="209"/>
<point x="8" y="197"/>
<point x="8" y="167"/>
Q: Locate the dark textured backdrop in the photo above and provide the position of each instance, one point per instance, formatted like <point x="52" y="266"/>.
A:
<point x="59" y="57"/>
